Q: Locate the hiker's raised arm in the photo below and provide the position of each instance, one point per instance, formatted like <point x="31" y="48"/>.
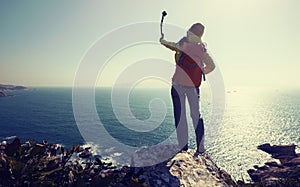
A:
<point x="171" y="45"/>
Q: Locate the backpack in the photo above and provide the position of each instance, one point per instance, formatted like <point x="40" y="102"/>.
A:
<point x="189" y="65"/>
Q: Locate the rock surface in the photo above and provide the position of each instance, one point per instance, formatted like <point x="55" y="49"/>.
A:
<point x="45" y="164"/>
<point x="182" y="169"/>
<point x="285" y="172"/>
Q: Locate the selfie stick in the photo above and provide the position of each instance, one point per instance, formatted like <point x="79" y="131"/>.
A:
<point x="164" y="13"/>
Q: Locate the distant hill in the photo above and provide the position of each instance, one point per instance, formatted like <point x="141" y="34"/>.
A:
<point x="4" y="87"/>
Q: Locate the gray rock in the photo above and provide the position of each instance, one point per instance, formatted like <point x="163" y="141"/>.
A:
<point x="284" y="173"/>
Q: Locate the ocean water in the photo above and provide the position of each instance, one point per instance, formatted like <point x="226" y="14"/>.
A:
<point x="251" y="117"/>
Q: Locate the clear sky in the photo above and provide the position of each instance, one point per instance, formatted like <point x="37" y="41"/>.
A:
<point x="254" y="42"/>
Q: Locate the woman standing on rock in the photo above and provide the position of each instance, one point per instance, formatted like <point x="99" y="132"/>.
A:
<point x="192" y="63"/>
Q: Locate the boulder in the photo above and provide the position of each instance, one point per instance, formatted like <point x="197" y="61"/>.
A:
<point x="183" y="168"/>
<point x="277" y="150"/>
<point x="284" y="173"/>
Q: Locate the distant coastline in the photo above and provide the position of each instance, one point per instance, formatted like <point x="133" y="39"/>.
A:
<point x="4" y="88"/>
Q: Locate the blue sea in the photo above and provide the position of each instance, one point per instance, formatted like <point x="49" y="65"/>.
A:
<point x="252" y="116"/>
